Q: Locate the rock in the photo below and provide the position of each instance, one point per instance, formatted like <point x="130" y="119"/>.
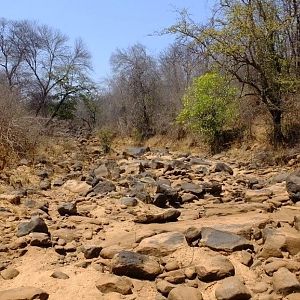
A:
<point x="295" y="296"/>
<point x="222" y="167"/>
<point x="77" y="187"/>
<point x="293" y="186"/>
<point x="36" y="224"/>
<point x="192" y="234"/>
<point x="188" y="197"/>
<point x="193" y="188"/>
<point x="91" y="251"/>
<point x="68" y="208"/>
<point x="285" y="282"/>
<point x="222" y="240"/>
<point x="14" y="199"/>
<point x="129" y="201"/>
<point x="232" y="289"/>
<point x="40" y="239"/>
<point x="104" y="187"/>
<point x="272" y="247"/>
<point x="172" y="265"/>
<point x="9" y="273"/>
<point x="162" y="244"/>
<point x="24" y="293"/>
<point x="109" y="283"/>
<point x="258" y="196"/>
<point x="135" y="265"/>
<point x="214" y="268"/>
<point x="101" y="171"/>
<point x="164" y="287"/>
<point x="45" y="184"/>
<point x="170" y="215"/>
<point x="136" y="151"/>
<point x="185" y="293"/>
<point x="214" y="188"/>
<point x="59" y="275"/>
<point x="168" y="193"/>
<point x="110" y="251"/>
<point x="176" y="276"/>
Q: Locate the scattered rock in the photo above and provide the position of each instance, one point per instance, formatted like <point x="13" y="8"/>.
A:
<point x="69" y="209"/>
<point x="285" y="282"/>
<point x="109" y="283"/>
<point x="59" y="275"/>
<point x="170" y="215"/>
<point x="135" y="265"/>
<point x="9" y="273"/>
<point x="293" y="186"/>
<point x="232" y="289"/>
<point x="36" y="224"/>
<point x="185" y="293"/>
<point x="222" y="167"/>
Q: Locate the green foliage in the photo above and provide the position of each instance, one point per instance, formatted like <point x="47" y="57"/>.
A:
<point x="208" y="106"/>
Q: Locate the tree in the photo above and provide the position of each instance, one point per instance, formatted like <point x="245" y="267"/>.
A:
<point x="136" y="81"/>
<point x="208" y="105"/>
<point x="258" y="43"/>
<point x="55" y="68"/>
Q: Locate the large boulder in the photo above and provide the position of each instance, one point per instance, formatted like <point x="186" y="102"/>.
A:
<point x="162" y="244"/>
<point x="135" y="265"/>
<point x="293" y="186"/>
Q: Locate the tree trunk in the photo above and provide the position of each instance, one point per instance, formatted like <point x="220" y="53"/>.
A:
<point x="278" y="137"/>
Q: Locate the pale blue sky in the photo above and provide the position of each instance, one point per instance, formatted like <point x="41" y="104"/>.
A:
<point x="107" y="25"/>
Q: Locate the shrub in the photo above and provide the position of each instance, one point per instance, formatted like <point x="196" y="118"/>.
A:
<point x="18" y="131"/>
<point x="209" y="107"/>
<point x="106" y="138"/>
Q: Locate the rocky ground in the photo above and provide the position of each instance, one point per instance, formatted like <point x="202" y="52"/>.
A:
<point x="149" y="224"/>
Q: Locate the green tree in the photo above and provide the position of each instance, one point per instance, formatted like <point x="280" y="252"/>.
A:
<point x="257" y="42"/>
<point x="208" y="106"/>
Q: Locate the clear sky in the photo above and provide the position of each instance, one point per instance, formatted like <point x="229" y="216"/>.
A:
<point x="107" y="25"/>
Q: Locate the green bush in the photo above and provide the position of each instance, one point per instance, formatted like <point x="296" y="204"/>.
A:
<point x="209" y="107"/>
<point x="106" y="137"/>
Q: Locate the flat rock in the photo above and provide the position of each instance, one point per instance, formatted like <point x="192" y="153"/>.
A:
<point x="135" y="265"/>
<point x="40" y="239"/>
<point x="285" y="282"/>
<point x="36" y="224"/>
<point x="162" y="244"/>
<point x="223" y="240"/>
<point x="232" y="289"/>
<point x="185" y="293"/>
<point x="170" y="215"/>
<point x="24" y="293"/>
<point x="104" y="187"/>
<point x="109" y="283"/>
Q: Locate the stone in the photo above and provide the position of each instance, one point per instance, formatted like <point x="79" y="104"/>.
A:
<point x="59" y="275"/>
<point x="24" y="293"/>
<point x="192" y="234"/>
<point x="214" y="268"/>
<point x="170" y="215"/>
<point x="164" y="287"/>
<point x="293" y="186"/>
<point x="232" y="289"/>
<point x="110" y="251"/>
<point x="170" y="194"/>
<point x="285" y="282"/>
<point x="109" y="283"/>
<point x="129" y="201"/>
<point x="223" y="240"/>
<point x="136" y="151"/>
<point x="77" y="187"/>
<point x="272" y="247"/>
<point x="36" y="224"/>
<point x="45" y="184"/>
<point x="172" y="265"/>
<point x="9" y="273"/>
<point x="68" y="208"/>
<point x="91" y="251"/>
<point x="40" y="239"/>
<point x="175" y="276"/>
<point x="184" y="293"/>
<point x="162" y="244"/>
<point x="193" y="188"/>
<point x="101" y="171"/>
<point x="135" y="265"/>
<point x="104" y="187"/>
<point x="258" y="196"/>
<point x="222" y="167"/>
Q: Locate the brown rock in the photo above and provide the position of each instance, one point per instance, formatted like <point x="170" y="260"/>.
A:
<point x="232" y="289"/>
<point x="285" y="282"/>
<point x="110" y="283"/>
<point x="185" y="293"/>
<point x="24" y="293"/>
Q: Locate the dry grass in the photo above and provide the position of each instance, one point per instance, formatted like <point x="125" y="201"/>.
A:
<point x="19" y="132"/>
